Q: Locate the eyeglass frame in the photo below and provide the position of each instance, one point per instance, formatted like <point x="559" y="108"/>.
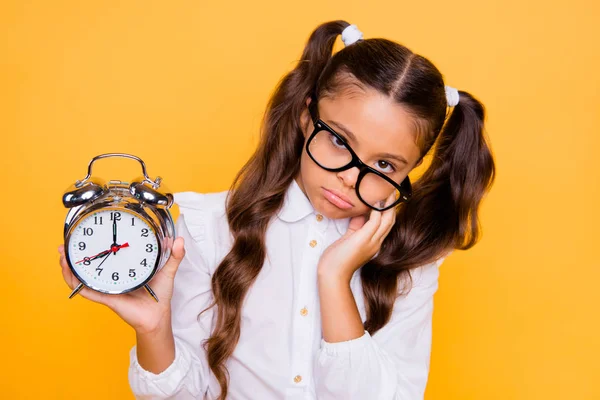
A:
<point x="405" y="187"/>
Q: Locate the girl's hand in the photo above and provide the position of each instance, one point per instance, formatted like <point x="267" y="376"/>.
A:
<point x="137" y="308"/>
<point x="358" y="245"/>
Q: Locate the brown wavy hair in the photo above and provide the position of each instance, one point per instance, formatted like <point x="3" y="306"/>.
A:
<point x="442" y="214"/>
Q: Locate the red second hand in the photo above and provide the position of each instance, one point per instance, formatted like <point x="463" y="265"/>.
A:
<point x="93" y="257"/>
<point x="114" y="249"/>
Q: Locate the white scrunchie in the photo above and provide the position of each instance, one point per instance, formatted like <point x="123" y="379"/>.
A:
<point x="451" y="96"/>
<point x="351" y="34"/>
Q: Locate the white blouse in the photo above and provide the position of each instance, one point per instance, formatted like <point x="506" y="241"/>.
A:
<point x="281" y="353"/>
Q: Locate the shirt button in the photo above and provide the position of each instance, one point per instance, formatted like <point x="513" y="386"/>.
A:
<point x="297" y="378"/>
<point x="319" y="217"/>
<point x="313" y="243"/>
<point x="303" y="312"/>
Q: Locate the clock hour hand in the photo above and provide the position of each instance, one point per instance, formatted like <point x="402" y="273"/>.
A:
<point x="94" y="257"/>
<point x="113" y="249"/>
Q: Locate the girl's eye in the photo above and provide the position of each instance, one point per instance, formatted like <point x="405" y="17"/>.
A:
<point x="336" y="141"/>
<point x="385" y="166"/>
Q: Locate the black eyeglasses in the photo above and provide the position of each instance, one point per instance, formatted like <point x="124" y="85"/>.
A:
<point x="331" y="152"/>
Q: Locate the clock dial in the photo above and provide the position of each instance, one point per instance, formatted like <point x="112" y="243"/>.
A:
<point x="113" y="250"/>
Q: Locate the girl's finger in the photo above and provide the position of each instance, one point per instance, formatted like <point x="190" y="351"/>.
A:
<point x="177" y="254"/>
<point x="356" y="223"/>
<point x="388" y="219"/>
<point x="66" y="272"/>
<point x="96" y="297"/>
<point x="388" y="230"/>
<point x="370" y="227"/>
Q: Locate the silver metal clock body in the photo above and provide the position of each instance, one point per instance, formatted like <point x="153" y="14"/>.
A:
<point x="141" y="200"/>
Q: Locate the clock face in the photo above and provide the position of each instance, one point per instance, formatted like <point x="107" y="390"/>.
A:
<point x="113" y="250"/>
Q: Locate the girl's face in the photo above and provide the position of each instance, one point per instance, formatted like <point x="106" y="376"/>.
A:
<point x="381" y="133"/>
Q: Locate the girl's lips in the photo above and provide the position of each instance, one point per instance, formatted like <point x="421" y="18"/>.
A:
<point x="337" y="199"/>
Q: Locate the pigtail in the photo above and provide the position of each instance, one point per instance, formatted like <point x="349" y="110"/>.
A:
<point x="443" y="212"/>
<point x="461" y="173"/>
<point x="258" y="192"/>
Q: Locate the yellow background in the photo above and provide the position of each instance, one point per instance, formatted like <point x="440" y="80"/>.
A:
<point x="183" y="85"/>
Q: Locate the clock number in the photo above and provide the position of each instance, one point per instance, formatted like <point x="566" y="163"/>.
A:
<point x="115" y="216"/>
<point x="96" y="220"/>
<point x="88" y="231"/>
<point x="132" y="221"/>
<point x="145" y="232"/>
<point x="115" y="276"/>
<point x="149" y="248"/>
<point x="144" y="263"/>
<point x="86" y="261"/>
<point x="99" y="270"/>
<point x="132" y="273"/>
<point x="81" y="246"/>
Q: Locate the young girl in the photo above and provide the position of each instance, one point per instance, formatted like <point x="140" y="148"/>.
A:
<point x="316" y="271"/>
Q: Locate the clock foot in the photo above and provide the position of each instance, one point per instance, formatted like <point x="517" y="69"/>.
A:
<point x="76" y="290"/>
<point x="149" y="290"/>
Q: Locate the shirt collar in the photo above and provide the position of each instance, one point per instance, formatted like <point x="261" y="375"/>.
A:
<point x="297" y="206"/>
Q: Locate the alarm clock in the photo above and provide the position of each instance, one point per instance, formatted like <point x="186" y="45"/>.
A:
<point x="117" y="235"/>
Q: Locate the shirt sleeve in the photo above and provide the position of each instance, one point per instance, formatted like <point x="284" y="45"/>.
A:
<point x="188" y="376"/>
<point x="393" y="364"/>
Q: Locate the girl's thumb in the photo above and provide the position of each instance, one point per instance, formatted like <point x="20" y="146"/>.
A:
<point x="355" y="224"/>
<point x="177" y="254"/>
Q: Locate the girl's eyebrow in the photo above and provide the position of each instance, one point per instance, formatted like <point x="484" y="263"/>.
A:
<point x="347" y="131"/>
<point x="352" y="137"/>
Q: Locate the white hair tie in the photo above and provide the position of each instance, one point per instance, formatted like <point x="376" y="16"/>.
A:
<point x="351" y="34"/>
<point x="451" y="96"/>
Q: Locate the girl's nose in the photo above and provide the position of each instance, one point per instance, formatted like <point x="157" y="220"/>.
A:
<point x="349" y="176"/>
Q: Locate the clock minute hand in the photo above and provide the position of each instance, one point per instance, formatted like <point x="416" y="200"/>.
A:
<point x="114" y="232"/>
